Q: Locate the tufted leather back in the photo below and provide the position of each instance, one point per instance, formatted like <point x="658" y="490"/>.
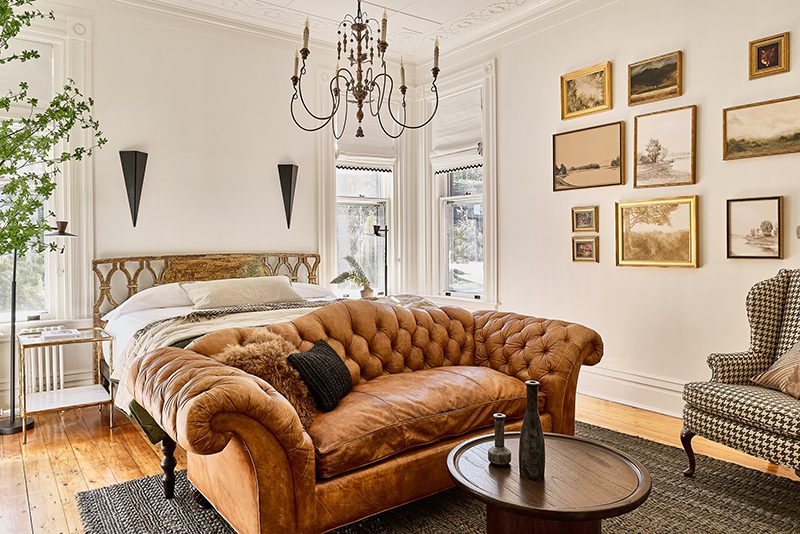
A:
<point x="373" y="338"/>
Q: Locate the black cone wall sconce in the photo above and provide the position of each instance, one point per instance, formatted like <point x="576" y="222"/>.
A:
<point x="133" y="166"/>
<point x="288" y="177"/>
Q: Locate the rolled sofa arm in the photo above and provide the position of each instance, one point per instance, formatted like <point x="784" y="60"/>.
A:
<point x="737" y="367"/>
<point x="531" y="348"/>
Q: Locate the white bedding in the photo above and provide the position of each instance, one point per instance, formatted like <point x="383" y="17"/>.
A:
<point x="124" y="328"/>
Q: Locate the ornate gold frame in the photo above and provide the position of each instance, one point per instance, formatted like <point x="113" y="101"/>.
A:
<point x="783" y="64"/>
<point x="595" y="211"/>
<point x="692" y="263"/>
<point x="725" y="112"/>
<point x="595" y="242"/>
<point x="662" y="94"/>
<point x="779" y="200"/>
<point x="141" y="272"/>
<point x="693" y="179"/>
<point x="608" y="102"/>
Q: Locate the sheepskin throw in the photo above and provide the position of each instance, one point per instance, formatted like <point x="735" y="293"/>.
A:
<point x="264" y="354"/>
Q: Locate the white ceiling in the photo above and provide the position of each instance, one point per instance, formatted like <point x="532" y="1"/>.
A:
<point x="413" y="24"/>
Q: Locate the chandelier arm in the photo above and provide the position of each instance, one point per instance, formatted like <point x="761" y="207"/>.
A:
<point x="303" y="100"/>
<point x="381" y="95"/>
<point x="344" y="123"/>
<point x="434" y="90"/>
<point x="314" y="129"/>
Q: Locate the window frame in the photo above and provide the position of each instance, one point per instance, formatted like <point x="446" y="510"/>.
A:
<point x="387" y="187"/>
<point x="69" y="283"/>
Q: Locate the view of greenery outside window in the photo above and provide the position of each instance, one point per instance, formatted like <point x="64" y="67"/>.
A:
<point x="31" y="283"/>
<point x="462" y="231"/>
<point x="362" y="201"/>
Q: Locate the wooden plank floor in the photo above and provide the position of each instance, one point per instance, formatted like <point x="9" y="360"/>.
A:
<point x="75" y="451"/>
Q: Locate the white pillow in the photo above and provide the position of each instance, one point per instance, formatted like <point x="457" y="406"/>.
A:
<point x="313" y="291"/>
<point x="240" y="292"/>
<point x="166" y="296"/>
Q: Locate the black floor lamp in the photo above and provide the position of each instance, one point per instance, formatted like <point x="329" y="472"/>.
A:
<point x="13" y="425"/>
<point x="383" y="231"/>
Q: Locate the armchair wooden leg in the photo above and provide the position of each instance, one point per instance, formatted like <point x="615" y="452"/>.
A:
<point x="686" y="441"/>
<point x="200" y="499"/>
<point x="168" y="464"/>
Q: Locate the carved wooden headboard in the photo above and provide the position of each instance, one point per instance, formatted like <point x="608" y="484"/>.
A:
<point x="120" y="278"/>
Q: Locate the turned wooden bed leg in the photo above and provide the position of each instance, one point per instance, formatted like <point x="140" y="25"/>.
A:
<point x="168" y="464"/>
<point x="200" y="499"/>
<point x="686" y="441"/>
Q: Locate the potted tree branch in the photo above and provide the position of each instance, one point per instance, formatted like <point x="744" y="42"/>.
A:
<point x="34" y="145"/>
<point x="355" y="275"/>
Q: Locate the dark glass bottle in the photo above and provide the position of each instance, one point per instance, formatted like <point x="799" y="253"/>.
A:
<point x="531" y="439"/>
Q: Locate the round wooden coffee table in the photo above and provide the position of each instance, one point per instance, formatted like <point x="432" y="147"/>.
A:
<point x="584" y="483"/>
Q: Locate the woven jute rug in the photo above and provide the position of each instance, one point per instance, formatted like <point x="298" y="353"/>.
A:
<point x="721" y="498"/>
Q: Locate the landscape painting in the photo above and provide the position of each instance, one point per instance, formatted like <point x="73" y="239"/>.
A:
<point x="585" y="249"/>
<point x="586" y="91"/>
<point x="769" y="56"/>
<point x="656" y="78"/>
<point x="664" y="148"/>
<point x="591" y="157"/>
<point x="762" y="129"/>
<point x="657" y="233"/>
<point x="755" y="228"/>
<point x="584" y="219"/>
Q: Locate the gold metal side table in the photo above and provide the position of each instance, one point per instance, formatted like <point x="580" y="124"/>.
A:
<point x="42" y="384"/>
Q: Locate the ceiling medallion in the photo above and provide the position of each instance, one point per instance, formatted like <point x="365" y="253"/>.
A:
<point x="364" y="86"/>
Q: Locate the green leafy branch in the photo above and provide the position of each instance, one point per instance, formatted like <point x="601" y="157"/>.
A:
<point x="35" y="145"/>
<point x="355" y="274"/>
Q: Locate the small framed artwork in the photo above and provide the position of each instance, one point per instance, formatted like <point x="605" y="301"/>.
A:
<point x="664" y="148"/>
<point x="584" y="219"/>
<point x="755" y="228"/>
<point x="769" y="56"/>
<point x="655" y="79"/>
<point x="761" y="129"/>
<point x="585" y="249"/>
<point x="591" y="157"/>
<point x="586" y="91"/>
<point x="657" y="233"/>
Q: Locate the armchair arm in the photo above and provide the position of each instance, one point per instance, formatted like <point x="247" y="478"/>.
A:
<point x="737" y="367"/>
<point x="531" y="348"/>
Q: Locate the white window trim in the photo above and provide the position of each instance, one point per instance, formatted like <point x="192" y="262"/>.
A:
<point x="70" y="288"/>
<point x="431" y="266"/>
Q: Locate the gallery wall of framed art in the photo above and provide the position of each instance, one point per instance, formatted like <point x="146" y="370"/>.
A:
<point x="535" y="232"/>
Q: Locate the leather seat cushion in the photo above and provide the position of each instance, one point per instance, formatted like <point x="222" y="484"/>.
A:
<point x="397" y="412"/>
<point x="756" y="406"/>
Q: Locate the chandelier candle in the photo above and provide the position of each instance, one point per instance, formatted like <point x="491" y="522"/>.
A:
<point x="365" y="82"/>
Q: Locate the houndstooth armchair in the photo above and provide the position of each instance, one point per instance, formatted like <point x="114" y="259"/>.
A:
<point x="730" y="409"/>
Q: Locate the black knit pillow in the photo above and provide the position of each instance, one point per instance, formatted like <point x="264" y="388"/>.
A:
<point x="324" y="373"/>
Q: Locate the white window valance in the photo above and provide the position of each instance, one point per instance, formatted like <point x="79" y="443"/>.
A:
<point x="457" y="129"/>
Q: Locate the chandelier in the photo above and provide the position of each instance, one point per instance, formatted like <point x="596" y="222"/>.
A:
<point x="362" y="84"/>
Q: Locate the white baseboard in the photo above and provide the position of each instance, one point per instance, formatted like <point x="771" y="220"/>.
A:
<point x="649" y="392"/>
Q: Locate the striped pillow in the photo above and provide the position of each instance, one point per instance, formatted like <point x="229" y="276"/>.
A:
<point x="784" y="375"/>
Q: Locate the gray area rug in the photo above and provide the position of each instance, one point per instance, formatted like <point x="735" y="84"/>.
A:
<point x="721" y="498"/>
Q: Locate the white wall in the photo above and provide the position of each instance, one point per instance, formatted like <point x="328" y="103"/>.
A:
<point x="211" y="108"/>
<point x="658" y="324"/>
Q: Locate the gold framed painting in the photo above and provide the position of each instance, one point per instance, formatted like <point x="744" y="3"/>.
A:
<point x="584" y="219"/>
<point x="586" y="249"/>
<point x="656" y="78"/>
<point x="769" y="56"/>
<point x="589" y="157"/>
<point x="761" y="129"/>
<point x="755" y="228"/>
<point x="664" y="148"/>
<point x="586" y="91"/>
<point x="657" y="233"/>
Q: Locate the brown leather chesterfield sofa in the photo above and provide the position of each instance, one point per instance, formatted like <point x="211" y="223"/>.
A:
<point x="423" y="380"/>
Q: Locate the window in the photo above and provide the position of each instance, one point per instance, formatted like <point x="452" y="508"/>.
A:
<point x="362" y="202"/>
<point x="462" y="236"/>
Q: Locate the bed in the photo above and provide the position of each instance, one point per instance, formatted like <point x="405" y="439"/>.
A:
<point x="142" y="320"/>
